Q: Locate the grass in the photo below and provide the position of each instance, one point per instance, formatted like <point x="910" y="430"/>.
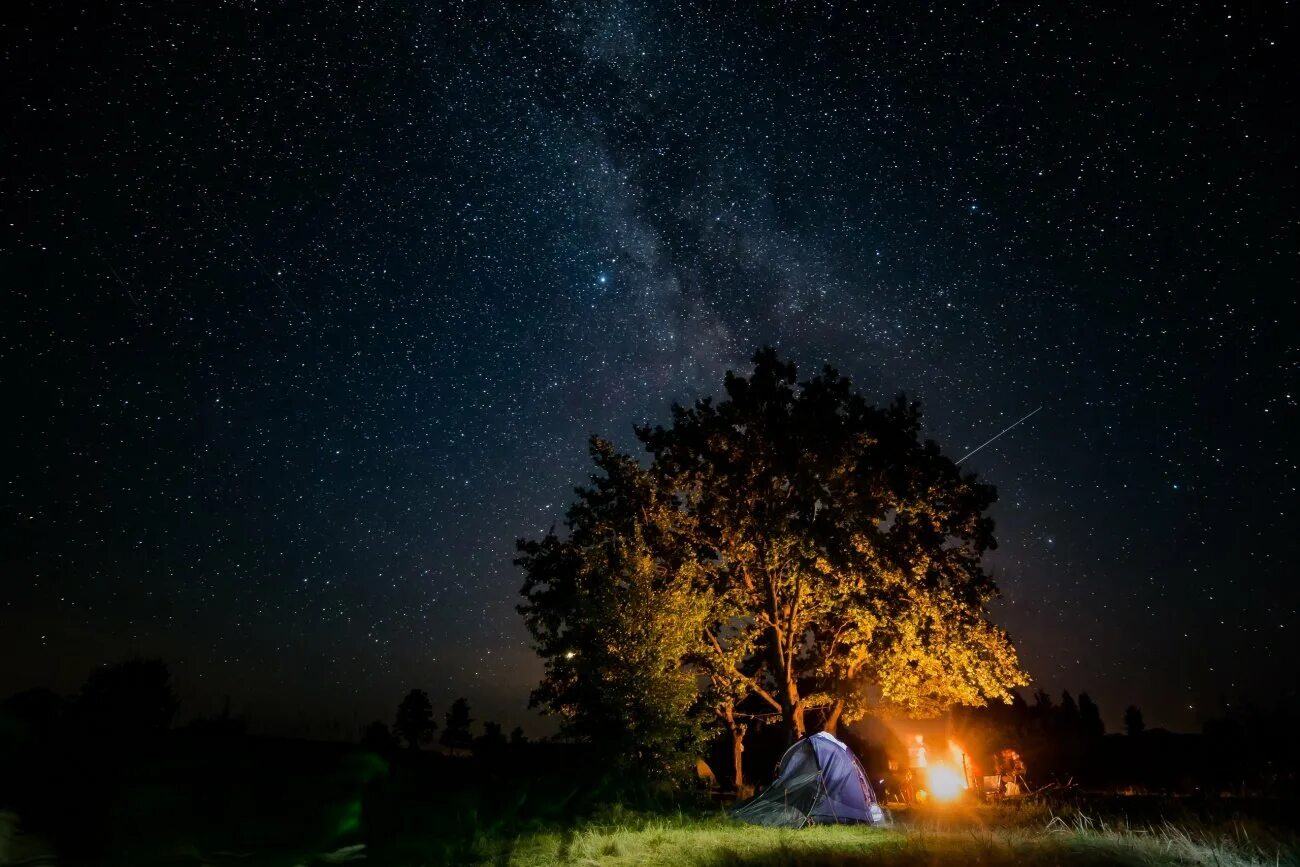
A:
<point x="993" y="838"/>
<point x="279" y="804"/>
<point x="616" y="836"/>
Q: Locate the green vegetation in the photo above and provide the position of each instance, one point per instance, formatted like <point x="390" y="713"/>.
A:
<point x="983" y="837"/>
<point x="282" y="804"/>
<point x="973" y="837"/>
<point x="791" y="553"/>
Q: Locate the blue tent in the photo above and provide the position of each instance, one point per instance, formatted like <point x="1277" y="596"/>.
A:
<point x="819" y="782"/>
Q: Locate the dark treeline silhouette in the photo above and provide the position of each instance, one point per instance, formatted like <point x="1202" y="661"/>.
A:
<point x="414" y="727"/>
<point x="100" y="771"/>
<point x="1133" y="722"/>
<point x="415" y="722"/>
<point x="127" y="702"/>
<point x="1249" y="750"/>
<point x="456" y="734"/>
<point x="104" y="769"/>
<point x="61" y="758"/>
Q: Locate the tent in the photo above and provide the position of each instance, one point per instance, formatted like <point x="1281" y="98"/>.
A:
<point x="818" y="782"/>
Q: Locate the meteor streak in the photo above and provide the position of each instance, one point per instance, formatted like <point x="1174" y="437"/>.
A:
<point x="995" y="436"/>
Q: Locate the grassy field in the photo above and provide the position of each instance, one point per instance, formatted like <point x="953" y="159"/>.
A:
<point x="966" y="836"/>
<point x="970" y="837"/>
<point x="272" y="803"/>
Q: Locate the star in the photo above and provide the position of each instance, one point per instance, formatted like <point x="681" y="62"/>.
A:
<point x="192" y="438"/>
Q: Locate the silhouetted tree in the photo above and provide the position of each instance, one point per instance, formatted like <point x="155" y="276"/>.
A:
<point x="456" y="736"/>
<point x="1067" y="714"/>
<point x="1134" y="725"/>
<point x="223" y="724"/>
<point x="1044" y="711"/>
<point x="1090" y="722"/>
<point x="35" y="714"/>
<point x="492" y="742"/>
<point x="414" y="722"/>
<point x="128" y="700"/>
<point x="377" y="737"/>
<point x="517" y="737"/>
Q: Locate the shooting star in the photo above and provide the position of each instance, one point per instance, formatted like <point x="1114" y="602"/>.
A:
<point x="995" y="436"/>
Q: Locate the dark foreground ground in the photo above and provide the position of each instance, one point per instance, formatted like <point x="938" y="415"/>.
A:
<point x="196" y="800"/>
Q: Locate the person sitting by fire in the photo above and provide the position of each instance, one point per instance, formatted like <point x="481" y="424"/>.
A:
<point x="1010" y="769"/>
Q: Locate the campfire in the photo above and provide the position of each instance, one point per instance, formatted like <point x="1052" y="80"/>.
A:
<point x="938" y="776"/>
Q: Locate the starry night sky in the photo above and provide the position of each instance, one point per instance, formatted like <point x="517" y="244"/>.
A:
<point x="308" y="313"/>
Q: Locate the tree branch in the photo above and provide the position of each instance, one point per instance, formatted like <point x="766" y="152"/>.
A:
<point x="794" y="611"/>
<point x="753" y="684"/>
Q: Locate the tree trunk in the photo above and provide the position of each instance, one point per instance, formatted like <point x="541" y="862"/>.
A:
<point x="792" y="710"/>
<point x="737" y="730"/>
<point x="737" y="759"/>
<point x="832" y="723"/>
<point x="788" y="694"/>
<point x="794" y="705"/>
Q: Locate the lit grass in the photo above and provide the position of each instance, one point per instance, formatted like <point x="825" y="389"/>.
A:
<point x="962" y="836"/>
<point x="698" y="842"/>
<point x="717" y="842"/>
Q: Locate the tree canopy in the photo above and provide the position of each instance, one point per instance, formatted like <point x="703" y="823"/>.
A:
<point x="1134" y="725"/>
<point x="790" y="545"/>
<point x="456" y="734"/>
<point x="133" y="698"/>
<point x="616" y="614"/>
<point x="414" y="723"/>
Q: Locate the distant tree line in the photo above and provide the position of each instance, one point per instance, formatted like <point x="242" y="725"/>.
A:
<point x="414" y="726"/>
<point x="104" y="769"/>
<point x="133" y="702"/>
<point x="1249" y="749"/>
<point x="128" y="702"/>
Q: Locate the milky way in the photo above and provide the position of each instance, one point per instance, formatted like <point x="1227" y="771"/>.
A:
<point x="309" y="315"/>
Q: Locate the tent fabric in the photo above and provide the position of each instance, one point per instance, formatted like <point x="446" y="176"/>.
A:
<point x="819" y="781"/>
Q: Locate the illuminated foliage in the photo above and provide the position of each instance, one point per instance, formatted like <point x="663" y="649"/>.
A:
<point x="848" y="550"/>
<point x="790" y="545"/>
<point x="615" y="612"/>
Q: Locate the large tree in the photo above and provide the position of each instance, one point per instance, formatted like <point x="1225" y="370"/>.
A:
<point x="791" y="545"/>
<point x="850" y="545"/>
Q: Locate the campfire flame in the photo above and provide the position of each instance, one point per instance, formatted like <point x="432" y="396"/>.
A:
<point x="946" y="778"/>
<point x="946" y="783"/>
